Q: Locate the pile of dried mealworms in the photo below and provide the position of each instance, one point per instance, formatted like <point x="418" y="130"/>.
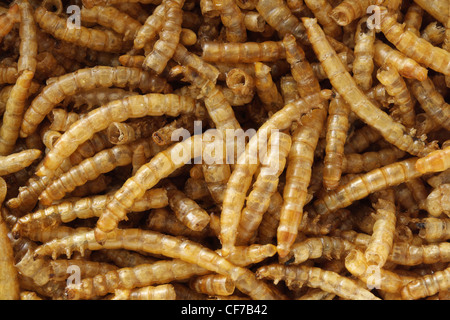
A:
<point x="225" y="149"/>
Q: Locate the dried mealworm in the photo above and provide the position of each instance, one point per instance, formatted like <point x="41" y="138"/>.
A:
<point x="8" y="20"/>
<point x="357" y="162"/>
<point x="17" y="161"/>
<point x="266" y="89"/>
<point x="438" y="201"/>
<point x="404" y="253"/>
<point x="321" y="10"/>
<point x="213" y="284"/>
<point x="28" y="41"/>
<point x="233" y="20"/>
<point x="427" y="285"/>
<point x="162" y="292"/>
<point x="436" y="161"/>
<point x="434" y="33"/>
<point x="363" y="65"/>
<point x="413" y="18"/>
<point x="438" y="9"/>
<point x="434" y="229"/>
<point x="350" y="10"/>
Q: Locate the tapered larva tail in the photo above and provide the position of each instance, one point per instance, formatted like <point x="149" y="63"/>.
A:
<point x="436" y="161"/>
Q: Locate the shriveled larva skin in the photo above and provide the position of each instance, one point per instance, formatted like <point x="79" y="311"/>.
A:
<point x="247" y="52"/>
<point x="264" y="187"/>
<point x="187" y="210"/>
<point x="427" y="285"/>
<point x="434" y="33"/>
<point x="349" y="10"/>
<point x="216" y="177"/>
<point x="279" y="17"/>
<point x="382" y="279"/>
<point x="435" y="161"/>
<point x="372" y="181"/>
<point x="404" y="253"/>
<point x="157" y="243"/>
<point x="356" y="162"/>
<point x="18" y="161"/>
<point x="241" y="176"/>
<point x="240" y="82"/>
<point x="434" y="229"/>
<point x="382" y="238"/>
<point x="212" y="285"/>
<point x="69" y="84"/>
<point x="396" y="87"/>
<point x="28" y="42"/>
<point x="266" y="89"/>
<point x="162" y="292"/>
<point x="438" y="201"/>
<point x="196" y="189"/>
<point x="363" y="64"/>
<point x="412" y="46"/>
<point x="316" y="278"/>
<point x="321" y="10"/>
<point x="112" y="18"/>
<point x="343" y="83"/>
<point x="163" y="136"/>
<point x="8" y="19"/>
<point x="232" y="19"/>
<point x="438" y="9"/>
<point x="99" y="40"/>
<point x="298" y="175"/>
<point x="413" y="18"/>
<point x="91" y="168"/>
<point x="337" y="128"/>
<point x="253" y="21"/>
<point x="431" y="101"/>
<point x="406" y="66"/>
<point x="12" y="118"/>
<point x="169" y="37"/>
<point x="126" y="132"/>
<point x="115" y="111"/>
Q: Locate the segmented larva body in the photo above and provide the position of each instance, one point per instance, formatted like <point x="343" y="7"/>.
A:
<point x="162" y="292"/>
<point x="266" y="88"/>
<point x="298" y="175"/>
<point x="438" y="201"/>
<point x="247" y="52"/>
<point x="126" y="132"/>
<point x="350" y="10"/>
<point x="406" y="254"/>
<point x="434" y="33"/>
<point x="406" y="66"/>
<point x="8" y="20"/>
<point x="427" y="285"/>
<point x="412" y="46"/>
<point x="321" y="10"/>
<point x="413" y="18"/>
<point x="15" y="106"/>
<point x="114" y="111"/>
<point x="337" y="128"/>
<point x="240" y="82"/>
<point x="437" y="9"/>
<point x="169" y="37"/>
<point x="279" y="16"/>
<point x="233" y="20"/>
<point x="343" y="82"/>
<point x="363" y="64"/>
<point x="246" y="166"/>
<point x="157" y="243"/>
<point x="316" y="278"/>
<point x="86" y="79"/>
<point x="163" y="136"/>
<point x="216" y="177"/>
<point x="431" y="101"/>
<point x="92" y="3"/>
<point x="153" y="24"/>
<point x="434" y="229"/>
<point x="361" y="140"/>
<point x="382" y="238"/>
<point x="99" y="40"/>
<point x="357" y="162"/>
<point x="100" y="96"/>
<point x="112" y="18"/>
<point x="8" y="74"/>
<point x="360" y="187"/>
<point x="28" y="41"/>
<point x="91" y="168"/>
<point x="213" y="285"/>
<point x="87" y="268"/>
<point x="265" y="185"/>
<point x="435" y="161"/>
<point x="380" y="278"/>
<point x="99" y="184"/>
<point x="18" y="161"/>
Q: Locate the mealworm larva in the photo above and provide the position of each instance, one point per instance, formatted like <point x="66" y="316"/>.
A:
<point x="12" y="118"/>
<point x="212" y="285"/>
<point x="216" y="177"/>
<point x="28" y="41"/>
<point x="18" y="161"/>
<point x="126" y="132"/>
<point x="343" y="82"/>
<point x="438" y="201"/>
<point x="99" y="40"/>
<point x="240" y="82"/>
<point x="337" y="128"/>
<point x="187" y="210"/>
<point x="438" y="9"/>
<point x="435" y="161"/>
<point x="264" y="187"/>
<point x="8" y="74"/>
<point x="157" y="243"/>
<point x="97" y="97"/>
<point x="314" y="277"/>
<point x="382" y="238"/>
<point x="253" y="21"/>
<point x="412" y="46"/>
<point x="373" y="181"/>
<point x="169" y="37"/>
<point x="298" y="175"/>
<point x="247" y="52"/>
<point x="321" y="10"/>
<point x="413" y="18"/>
<point x="434" y="229"/>
<point x="61" y="120"/>
<point x="356" y="162"/>
<point x="86" y="79"/>
<point x="396" y="87"/>
<point x="163" y="136"/>
<point x="279" y="16"/>
<point x="373" y="276"/>
<point x="91" y="168"/>
<point x="363" y="64"/>
<point x="114" y="111"/>
<point x="431" y="101"/>
<point x="350" y="10"/>
<point x="288" y="89"/>
<point x="434" y="33"/>
<point x="162" y="292"/>
<point x="427" y="285"/>
<point x="8" y="20"/>
<point x="407" y="67"/>
<point x="112" y="18"/>
<point x="232" y="19"/>
<point x="105" y="3"/>
<point x="404" y="253"/>
<point x="99" y="184"/>
<point x="47" y="66"/>
<point x="87" y="268"/>
<point x="266" y="89"/>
